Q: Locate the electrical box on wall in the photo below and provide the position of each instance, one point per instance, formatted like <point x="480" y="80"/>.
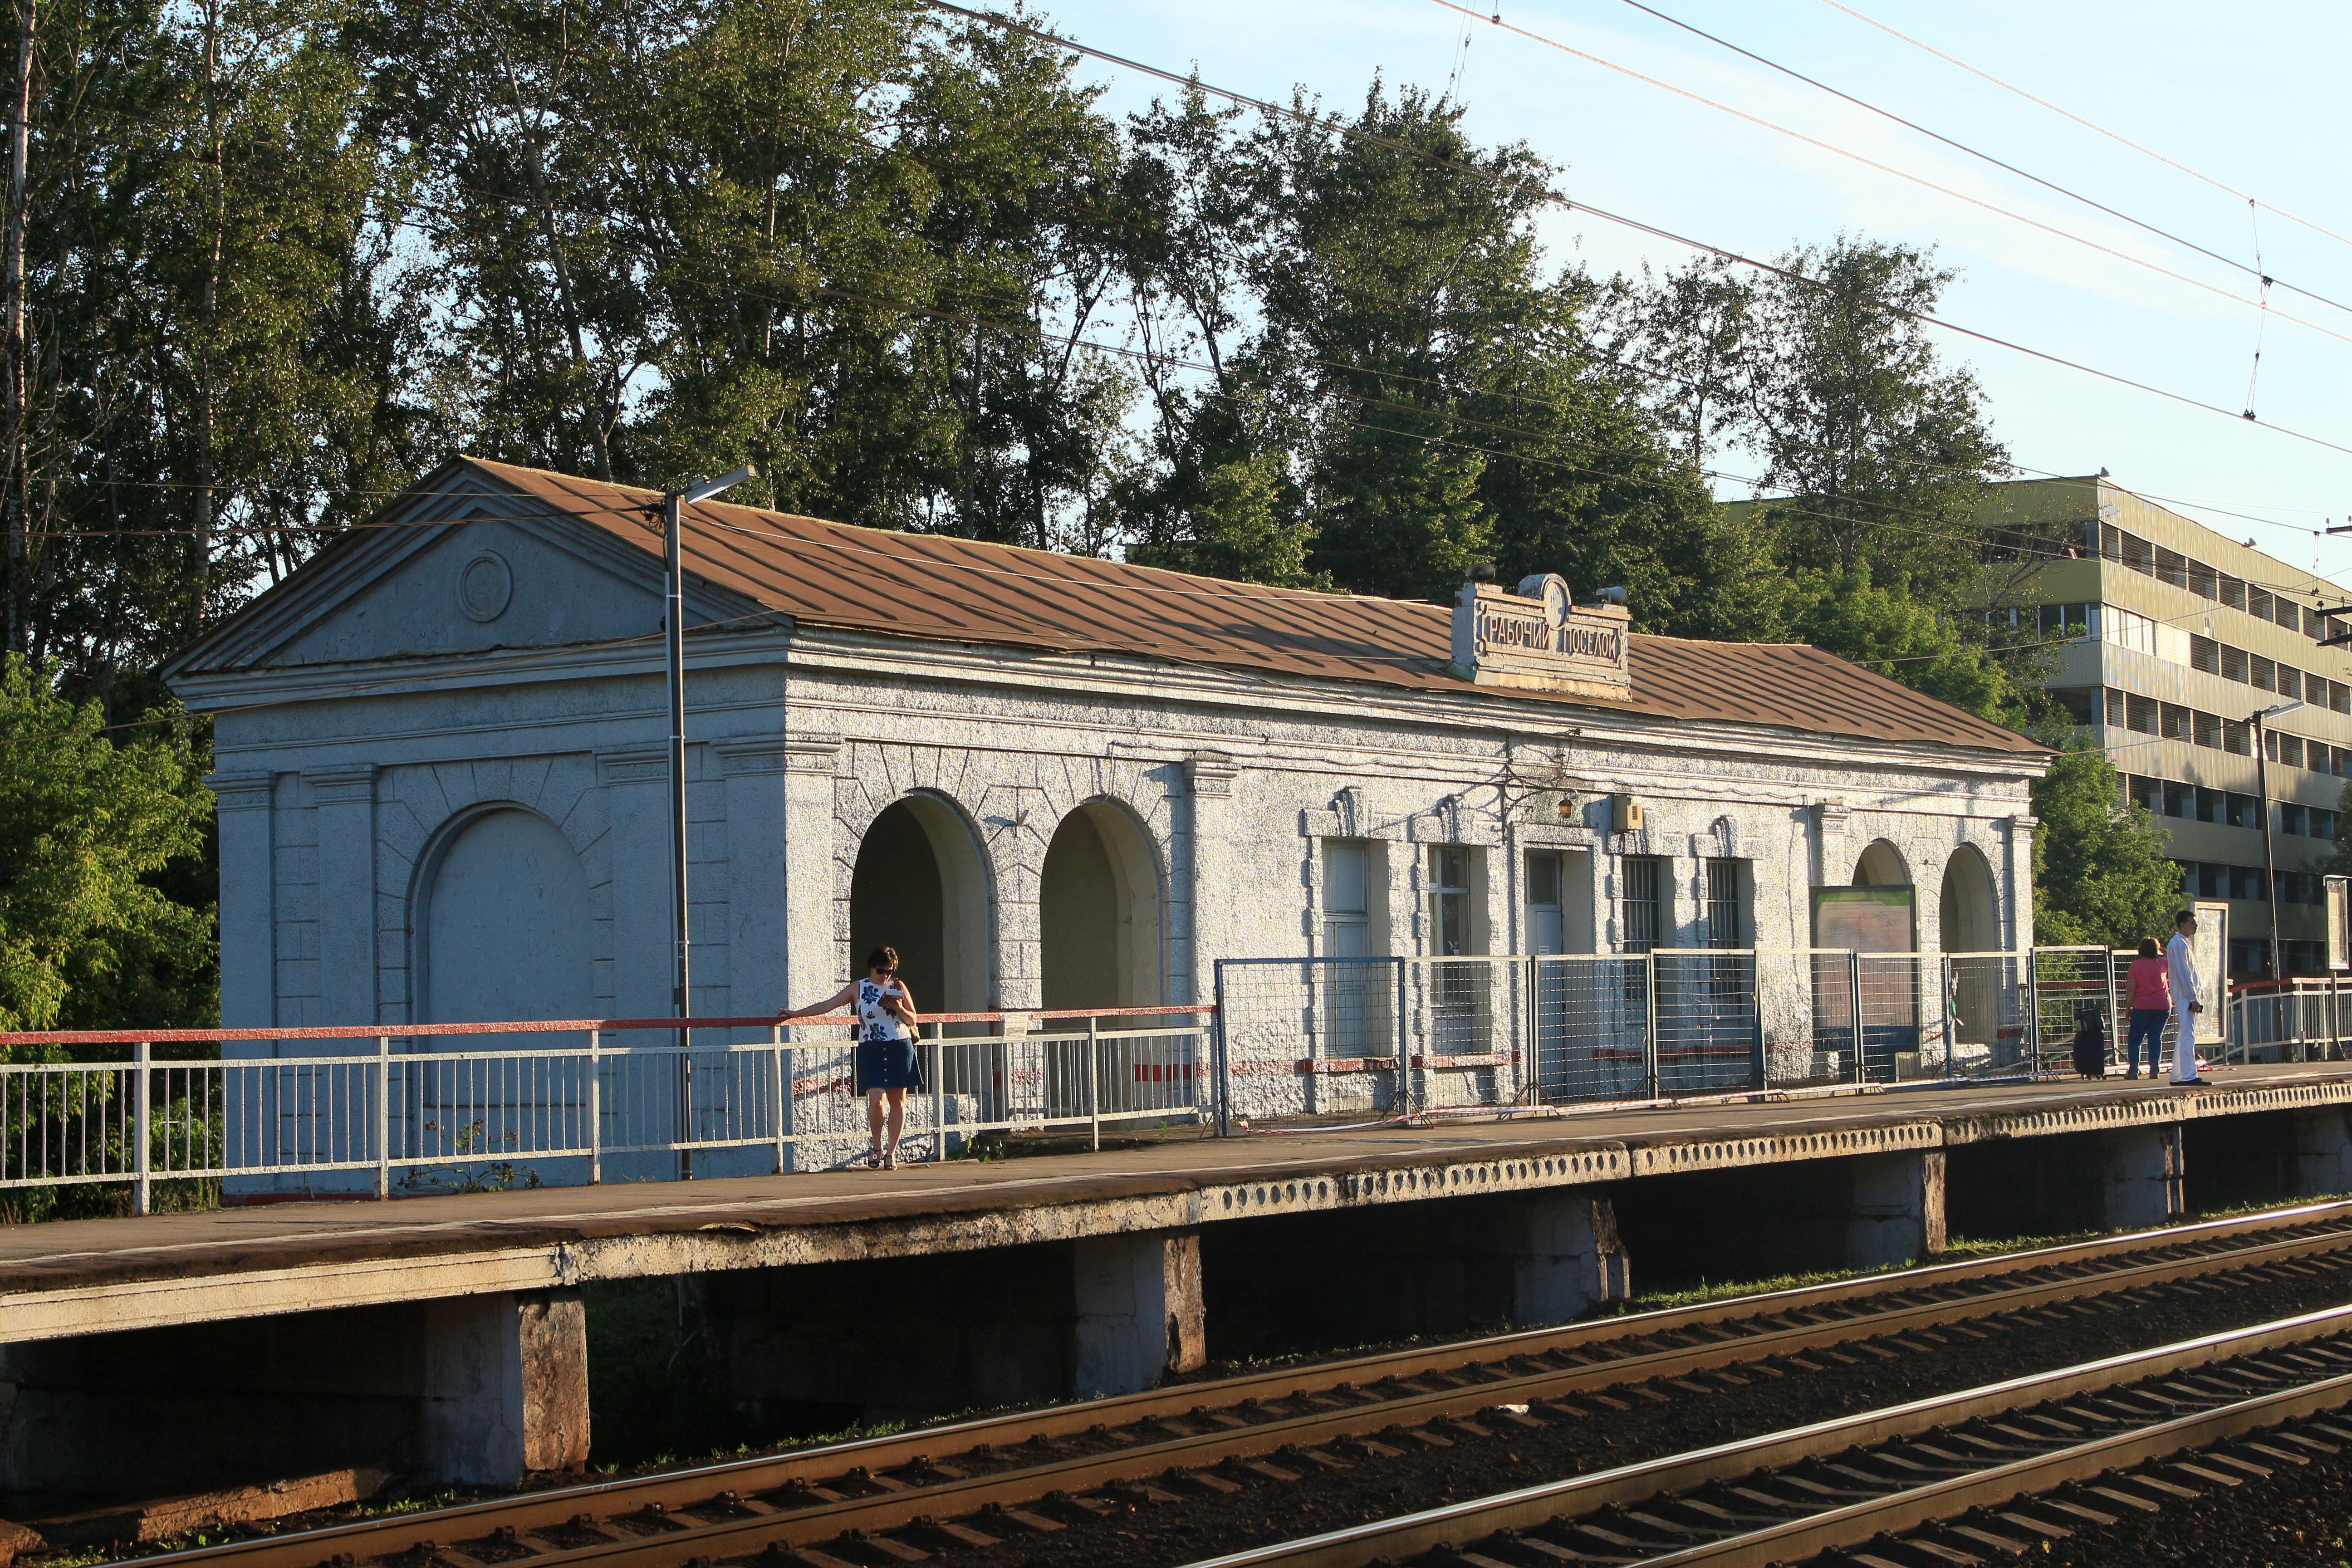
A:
<point x="1625" y="812"/>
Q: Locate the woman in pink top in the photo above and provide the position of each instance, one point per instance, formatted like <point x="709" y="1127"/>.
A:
<point x="2151" y="1004"/>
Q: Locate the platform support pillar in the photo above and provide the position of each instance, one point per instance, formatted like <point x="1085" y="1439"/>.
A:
<point x="1569" y="1259"/>
<point x="2323" y="1151"/>
<point x="2139" y="1177"/>
<point x="506" y="1388"/>
<point x="1139" y="1316"/>
<point x="1898" y="1209"/>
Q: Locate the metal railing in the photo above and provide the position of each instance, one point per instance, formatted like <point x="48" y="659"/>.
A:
<point x="2288" y="1021"/>
<point x="472" y="1107"/>
<point x="1322" y="1039"/>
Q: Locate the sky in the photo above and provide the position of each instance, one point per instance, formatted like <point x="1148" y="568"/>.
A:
<point x="2246" y="96"/>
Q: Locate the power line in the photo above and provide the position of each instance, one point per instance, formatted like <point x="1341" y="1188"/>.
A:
<point x="2086" y="123"/>
<point x="2231" y="261"/>
<point x="1335" y="125"/>
<point x="1884" y="168"/>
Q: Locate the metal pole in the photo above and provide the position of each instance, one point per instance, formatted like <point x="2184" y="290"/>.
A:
<point x="1219" y="1108"/>
<point x="595" y="1106"/>
<point x="1649" y="1025"/>
<point x="2033" y="1010"/>
<point x="1404" y="1045"/>
<point x="1854" y="1011"/>
<point x="674" y="640"/>
<point x="1529" y="1066"/>
<point x="783" y="1088"/>
<point x="2270" y="861"/>
<point x="1093" y="1080"/>
<point x="939" y="1098"/>
<point x="383" y="1117"/>
<point x="142" y="1197"/>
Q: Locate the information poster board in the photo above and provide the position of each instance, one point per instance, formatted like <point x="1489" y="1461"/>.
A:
<point x="1865" y="919"/>
<point x="2339" y="921"/>
<point x="2212" y="953"/>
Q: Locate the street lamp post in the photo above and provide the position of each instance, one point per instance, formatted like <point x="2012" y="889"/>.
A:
<point x="2270" y="856"/>
<point x="674" y="503"/>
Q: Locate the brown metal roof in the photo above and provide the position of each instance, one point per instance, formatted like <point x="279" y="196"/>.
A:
<point x="938" y="587"/>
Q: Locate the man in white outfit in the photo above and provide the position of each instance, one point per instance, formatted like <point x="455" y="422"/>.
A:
<point x="2180" y="967"/>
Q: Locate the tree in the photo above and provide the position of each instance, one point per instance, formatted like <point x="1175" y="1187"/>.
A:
<point x="2099" y="872"/>
<point x="96" y="839"/>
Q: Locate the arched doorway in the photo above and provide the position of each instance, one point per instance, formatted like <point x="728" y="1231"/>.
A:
<point x="507" y="932"/>
<point x="1968" y="912"/>
<point x="920" y="886"/>
<point x="1881" y="866"/>
<point x="1967" y="922"/>
<point x="1099" y="913"/>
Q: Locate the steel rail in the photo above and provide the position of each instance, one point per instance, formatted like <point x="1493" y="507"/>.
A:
<point x="1794" y="1539"/>
<point x="1475" y="1374"/>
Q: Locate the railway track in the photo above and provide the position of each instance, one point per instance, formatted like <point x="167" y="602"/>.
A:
<point x="917" y="1494"/>
<point x="1987" y="1472"/>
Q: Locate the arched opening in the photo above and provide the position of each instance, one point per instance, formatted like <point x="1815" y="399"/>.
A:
<point x="1968" y="913"/>
<point x="1967" y="921"/>
<point x="1881" y="866"/>
<point x="920" y="886"/>
<point x="507" y="932"/>
<point x="1099" y="913"/>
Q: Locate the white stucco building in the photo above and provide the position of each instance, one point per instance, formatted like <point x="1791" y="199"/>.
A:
<point x="1048" y="780"/>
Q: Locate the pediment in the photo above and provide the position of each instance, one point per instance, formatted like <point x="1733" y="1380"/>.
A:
<point x="496" y="574"/>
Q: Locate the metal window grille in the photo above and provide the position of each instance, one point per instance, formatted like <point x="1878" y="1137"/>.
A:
<point x="1642" y="883"/>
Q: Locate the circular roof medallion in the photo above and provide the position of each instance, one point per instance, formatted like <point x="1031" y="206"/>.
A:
<point x="485" y="587"/>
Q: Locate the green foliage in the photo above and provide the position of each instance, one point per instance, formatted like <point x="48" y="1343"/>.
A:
<point x="90" y="835"/>
<point x="1885" y="628"/>
<point x="2099" y="872"/>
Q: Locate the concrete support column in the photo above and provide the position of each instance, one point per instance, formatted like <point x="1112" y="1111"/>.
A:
<point x="1139" y="1315"/>
<point x="505" y="1388"/>
<point x="2323" y="1151"/>
<point x="1569" y="1259"/>
<point x="1898" y="1209"/>
<point x="2139" y="1177"/>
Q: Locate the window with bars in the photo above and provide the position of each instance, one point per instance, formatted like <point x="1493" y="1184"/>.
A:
<point x="1727" y="903"/>
<point x="1640" y="906"/>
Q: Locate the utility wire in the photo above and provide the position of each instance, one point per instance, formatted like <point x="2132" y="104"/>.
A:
<point x="1884" y="168"/>
<point x="2254" y="272"/>
<point x="2086" y="123"/>
<point x="1335" y="125"/>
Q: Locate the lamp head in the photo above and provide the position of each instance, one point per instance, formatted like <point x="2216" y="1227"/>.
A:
<point x="703" y="489"/>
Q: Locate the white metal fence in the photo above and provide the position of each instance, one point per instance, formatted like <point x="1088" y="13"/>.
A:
<point x="485" y="1106"/>
<point x="1343" y="1039"/>
<point x="2296" y="1021"/>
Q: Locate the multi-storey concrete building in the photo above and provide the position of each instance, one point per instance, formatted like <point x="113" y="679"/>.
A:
<point x="2175" y="638"/>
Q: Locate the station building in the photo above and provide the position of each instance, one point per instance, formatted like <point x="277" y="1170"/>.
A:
<point x="1049" y="781"/>
<point x="2171" y="636"/>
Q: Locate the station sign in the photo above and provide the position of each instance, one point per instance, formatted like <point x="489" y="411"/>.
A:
<point x="1536" y="638"/>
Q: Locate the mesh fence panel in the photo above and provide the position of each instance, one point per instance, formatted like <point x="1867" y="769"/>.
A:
<point x="2074" y="998"/>
<point x="1708" y="1022"/>
<point x="1311" y="1038"/>
<point x="1466" y="1023"/>
<point x="1989" y="1023"/>
<point x="1591" y="1028"/>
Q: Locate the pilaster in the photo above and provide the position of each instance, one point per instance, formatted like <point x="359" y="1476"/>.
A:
<point x="345" y="799"/>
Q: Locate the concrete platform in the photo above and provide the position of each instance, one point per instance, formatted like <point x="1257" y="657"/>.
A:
<point x="107" y="1276"/>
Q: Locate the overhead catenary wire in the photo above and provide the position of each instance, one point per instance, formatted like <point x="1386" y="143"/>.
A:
<point x="1920" y="180"/>
<point x="1977" y="153"/>
<point x="1336" y="125"/>
<point x="2085" y="122"/>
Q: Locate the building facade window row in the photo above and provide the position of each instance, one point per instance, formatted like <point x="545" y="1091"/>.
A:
<point x="2196" y="802"/>
<point x="2142" y="634"/>
<point x="2171" y="722"/>
<point x="2152" y="560"/>
<point x="2212" y="879"/>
